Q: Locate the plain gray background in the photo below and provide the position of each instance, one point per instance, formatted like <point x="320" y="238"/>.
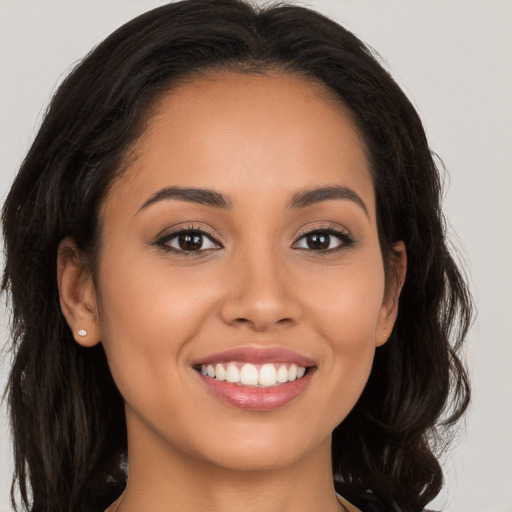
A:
<point x="453" y="58"/>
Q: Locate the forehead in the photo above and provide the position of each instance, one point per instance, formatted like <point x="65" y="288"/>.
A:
<point x="241" y="131"/>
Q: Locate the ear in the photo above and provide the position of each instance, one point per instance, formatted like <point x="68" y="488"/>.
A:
<point x="77" y="294"/>
<point x="396" y="279"/>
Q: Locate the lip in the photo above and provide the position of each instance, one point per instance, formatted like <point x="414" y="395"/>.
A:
<point x="254" y="398"/>
<point x="257" y="356"/>
<point x="257" y="399"/>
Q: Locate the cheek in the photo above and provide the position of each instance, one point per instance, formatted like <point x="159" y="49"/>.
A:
<point x="148" y="316"/>
<point x="346" y="313"/>
<point x="347" y="304"/>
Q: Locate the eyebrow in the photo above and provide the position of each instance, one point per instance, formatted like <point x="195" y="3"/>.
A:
<point x="314" y="196"/>
<point x="189" y="194"/>
<point x="207" y="197"/>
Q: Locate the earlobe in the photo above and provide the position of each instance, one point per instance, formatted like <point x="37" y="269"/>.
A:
<point x="396" y="279"/>
<point x="77" y="294"/>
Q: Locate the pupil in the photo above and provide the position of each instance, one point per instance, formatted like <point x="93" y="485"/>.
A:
<point x="190" y="241"/>
<point x="318" y="241"/>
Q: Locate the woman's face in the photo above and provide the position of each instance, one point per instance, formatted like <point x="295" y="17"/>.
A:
<point x="242" y="242"/>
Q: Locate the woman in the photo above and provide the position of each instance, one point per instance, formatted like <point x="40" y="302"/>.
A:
<point x="229" y="277"/>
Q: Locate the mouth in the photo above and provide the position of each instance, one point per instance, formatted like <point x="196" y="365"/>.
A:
<point x="256" y="379"/>
<point x="253" y="375"/>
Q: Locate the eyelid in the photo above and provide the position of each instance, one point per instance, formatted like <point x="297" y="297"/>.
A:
<point x="327" y="227"/>
<point x="174" y="231"/>
<point x="346" y="238"/>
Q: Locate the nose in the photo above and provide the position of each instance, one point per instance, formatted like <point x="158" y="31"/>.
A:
<point x="260" y="294"/>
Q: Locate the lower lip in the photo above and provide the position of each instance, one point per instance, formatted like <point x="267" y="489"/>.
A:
<point x="257" y="399"/>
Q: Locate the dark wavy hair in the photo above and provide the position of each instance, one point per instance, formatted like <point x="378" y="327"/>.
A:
<point x="68" y="428"/>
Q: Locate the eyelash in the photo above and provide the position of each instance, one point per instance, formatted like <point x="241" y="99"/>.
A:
<point x="345" y="238"/>
<point x="163" y="240"/>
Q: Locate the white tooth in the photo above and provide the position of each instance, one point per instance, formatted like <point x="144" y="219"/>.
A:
<point x="282" y="374"/>
<point x="300" y="372"/>
<point x="203" y="369"/>
<point x="268" y="375"/>
<point x="210" y="370"/>
<point x="232" y="373"/>
<point x="220" y="372"/>
<point x="292" y="372"/>
<point x="249" y="374"/>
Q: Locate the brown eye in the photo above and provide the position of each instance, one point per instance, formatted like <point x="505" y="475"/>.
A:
<point x="190" y="241"/>
<point x="324" y="241"/>
<point x="318" y="241"/>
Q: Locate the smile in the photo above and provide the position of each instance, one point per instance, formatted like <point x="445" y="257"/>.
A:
<point x="256" y="379"/>
<point x="248" y="374"/>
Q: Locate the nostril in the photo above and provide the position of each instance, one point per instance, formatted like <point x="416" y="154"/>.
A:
<point x="242" y="320"/>
<point x="261" y="324"/>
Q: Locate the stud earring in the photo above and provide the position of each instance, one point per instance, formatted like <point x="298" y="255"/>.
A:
<point x="82" y="333"/>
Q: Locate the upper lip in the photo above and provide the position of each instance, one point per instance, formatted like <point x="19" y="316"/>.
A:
<point x="257" y="356"/>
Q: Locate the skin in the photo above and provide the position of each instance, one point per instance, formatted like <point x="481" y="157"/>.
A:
<point x="257" y="139"/>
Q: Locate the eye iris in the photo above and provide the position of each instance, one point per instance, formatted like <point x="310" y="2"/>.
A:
<point x="318" y="241"/>
<point x="190" y="241"/>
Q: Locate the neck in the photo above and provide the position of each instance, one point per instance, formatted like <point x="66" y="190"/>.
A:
<point x="162" y="478"/>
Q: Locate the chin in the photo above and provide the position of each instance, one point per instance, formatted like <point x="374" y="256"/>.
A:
<point x="257" y="459"/>
<point x="260" y="448"/>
